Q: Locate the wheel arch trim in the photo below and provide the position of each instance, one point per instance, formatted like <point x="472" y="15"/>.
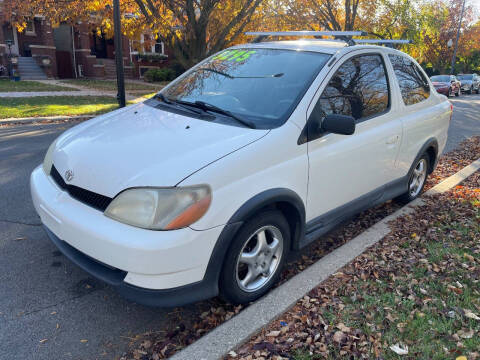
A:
<point x="247" y="210"/>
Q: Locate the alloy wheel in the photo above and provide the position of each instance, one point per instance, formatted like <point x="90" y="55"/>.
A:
<point x="259" y="258"/>
<point x="418" y="178"/>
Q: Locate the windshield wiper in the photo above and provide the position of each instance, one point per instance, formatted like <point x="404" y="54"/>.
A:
<point x="162" y="97"/>
<point x="210" y="107"/>
<point x="180" y="103"/>
<point x="213" y="108"/>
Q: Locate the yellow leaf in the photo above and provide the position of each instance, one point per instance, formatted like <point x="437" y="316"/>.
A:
<point x="83" y="341"/>
<point x="461" y="358"/>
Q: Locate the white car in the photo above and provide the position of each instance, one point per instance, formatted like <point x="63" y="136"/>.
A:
<point x="206" y="188"/>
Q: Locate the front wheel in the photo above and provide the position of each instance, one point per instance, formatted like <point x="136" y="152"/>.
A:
<point x="416" y="180"/>
<point x="457" y="93"/>
<point x="256" y="257"/>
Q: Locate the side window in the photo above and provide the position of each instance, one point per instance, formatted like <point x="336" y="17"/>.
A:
<point x="359" y="88"/>
<point x="413" y="84"/>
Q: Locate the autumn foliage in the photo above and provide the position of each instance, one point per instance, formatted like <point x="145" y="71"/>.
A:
<point x="194" y="29"/>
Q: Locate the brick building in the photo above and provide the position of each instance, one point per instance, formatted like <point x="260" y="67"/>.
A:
<point x="75" y="51"/>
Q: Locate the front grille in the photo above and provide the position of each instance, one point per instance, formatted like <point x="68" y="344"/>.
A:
<point x="87" y="197"/>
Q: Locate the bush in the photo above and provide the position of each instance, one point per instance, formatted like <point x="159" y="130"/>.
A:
<point x="163" y="74"/>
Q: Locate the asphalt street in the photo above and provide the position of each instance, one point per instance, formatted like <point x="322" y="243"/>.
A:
<point x="50" y="309"/>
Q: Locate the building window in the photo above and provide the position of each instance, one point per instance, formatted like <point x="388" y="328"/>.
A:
<point x="149" y="45"/>
<point x="30" y="29"/>
<point x="159" y="47"/>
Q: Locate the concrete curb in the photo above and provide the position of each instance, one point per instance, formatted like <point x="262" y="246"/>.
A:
<point x="240" y="328"/>
<point x="33" y="120"/>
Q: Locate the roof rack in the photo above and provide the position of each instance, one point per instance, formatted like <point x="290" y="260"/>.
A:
<point x="337" y="35"/>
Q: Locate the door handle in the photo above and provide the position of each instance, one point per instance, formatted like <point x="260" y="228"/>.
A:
<point x="392" y="140"/>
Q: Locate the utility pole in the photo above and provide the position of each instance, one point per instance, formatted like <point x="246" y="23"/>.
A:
<point x="119" y="53"/>
<point x="454" y="57"/>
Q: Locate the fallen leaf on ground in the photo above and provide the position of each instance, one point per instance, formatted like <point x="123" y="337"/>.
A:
<point x="339" y="337"/>
<point x="469" y="314"/>
<point x="465" y="334"/>
<point x="397" y="349"/>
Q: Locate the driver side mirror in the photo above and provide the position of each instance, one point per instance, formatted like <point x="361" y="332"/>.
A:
<point x="318" y="124"/>
<point x="339" y="124"/>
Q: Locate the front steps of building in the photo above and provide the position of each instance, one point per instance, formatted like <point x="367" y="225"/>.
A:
<point x="110" y="69"/>
<point x="29" y="69"/>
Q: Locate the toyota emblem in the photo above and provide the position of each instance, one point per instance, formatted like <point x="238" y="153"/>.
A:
<point x="69" y="175"/>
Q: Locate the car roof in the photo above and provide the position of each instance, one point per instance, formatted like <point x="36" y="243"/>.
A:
<point x="317" y="45"/>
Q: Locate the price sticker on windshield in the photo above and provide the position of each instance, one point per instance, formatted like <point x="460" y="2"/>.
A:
<point x="234" y="55"/>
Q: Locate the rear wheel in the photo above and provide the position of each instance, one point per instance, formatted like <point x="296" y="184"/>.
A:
<point x="416" y="180"/>
<point x="256" y="257"/>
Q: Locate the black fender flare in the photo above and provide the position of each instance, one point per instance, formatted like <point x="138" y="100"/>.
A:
<point x="430" y="143"/>
<point x="246" y="211"/>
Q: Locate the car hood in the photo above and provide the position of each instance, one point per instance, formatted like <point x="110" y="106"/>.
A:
<point x="143" y="146"/>
<point x="465" y="82"/>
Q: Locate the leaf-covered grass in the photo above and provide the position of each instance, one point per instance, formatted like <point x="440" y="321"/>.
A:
<point x="7" y="85"/>
<point x="111" y="85"/>
<point x="418" y="288"/>
<point x="56" y="106"/>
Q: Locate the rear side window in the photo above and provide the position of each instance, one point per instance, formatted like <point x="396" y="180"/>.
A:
<point x="359" y="88"/>
<point x="413" y="84"/>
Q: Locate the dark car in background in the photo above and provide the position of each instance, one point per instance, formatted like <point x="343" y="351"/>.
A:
<point x="470" y="82"/>
<point x="446" y="84"/>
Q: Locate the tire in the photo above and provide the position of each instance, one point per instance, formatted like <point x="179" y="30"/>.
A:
<point x="449" y="94"/>
<point x="478" y="90"/>
<point x="413" y="193"/>
<point x="470" y="92"/>
<point x="234" y="286"/>
<point x="457" y="93"/>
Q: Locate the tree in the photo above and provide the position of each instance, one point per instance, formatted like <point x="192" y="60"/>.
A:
<point x="193" y="29"/>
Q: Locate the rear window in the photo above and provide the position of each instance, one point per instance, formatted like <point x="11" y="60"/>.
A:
<point x="465" y="77"/>
<point x="413" y="84"/>
<point x="440" y="78"/>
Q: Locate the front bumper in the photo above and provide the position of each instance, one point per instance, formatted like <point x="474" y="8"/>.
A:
<point x="132" y="259"/>
<point x="165" y="298"/>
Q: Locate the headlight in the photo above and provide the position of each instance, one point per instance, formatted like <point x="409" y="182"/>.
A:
<point x="48" y="161"/>
<point x="160" y="208"/>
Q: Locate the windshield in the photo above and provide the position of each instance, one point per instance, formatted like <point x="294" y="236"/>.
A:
<point x="262" y="86"/>
<point x="440" y="78"/>
<point x="465" y="77"/>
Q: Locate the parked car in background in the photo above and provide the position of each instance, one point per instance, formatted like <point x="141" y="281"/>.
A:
<point x="207" y="187"/>
<point x="446" y="84"/>
<point x="470" y="82"/>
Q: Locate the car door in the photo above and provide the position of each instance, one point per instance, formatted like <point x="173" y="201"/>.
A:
<point x="348" y="172"/>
